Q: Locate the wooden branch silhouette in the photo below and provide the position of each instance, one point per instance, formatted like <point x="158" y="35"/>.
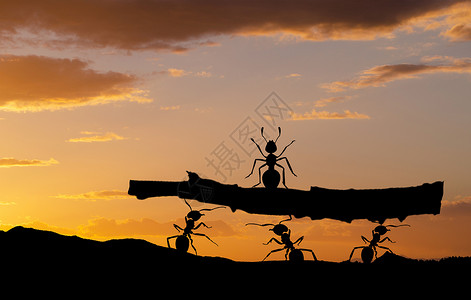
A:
<point x="317" y="203"/>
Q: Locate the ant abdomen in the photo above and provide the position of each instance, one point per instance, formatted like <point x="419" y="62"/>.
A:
<point x="296" y="255"/>
<point x="271" y="179"/>
<point x="182" y="244"/>
<point x="367" y="255"/>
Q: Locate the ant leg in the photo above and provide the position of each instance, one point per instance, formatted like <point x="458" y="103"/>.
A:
<point x="385" y="248"/>
<point x="202" y="234"/>
<point x="257" y="146"/>
<point x="253" y="167"/>
<point x="171" y="237"/>
<point x="284" y="179"/>
<point x="365" y="240"/>
<point x="260" y="175"/>
<point x="287" y="162"/>
<point x="351" y="254"/>
<point x="386" y="239"/>
<point x="198" y="226"/>
<point x="273" y="240"/>
<point x="286" y="254"/>
<point x="273" y="251"/>
<point x="285" y="148"/>
<point x="177" y="227"/>
<point x="313" y="255"/>
<point x="298" y="241"/>
<point x="191" y="243"/>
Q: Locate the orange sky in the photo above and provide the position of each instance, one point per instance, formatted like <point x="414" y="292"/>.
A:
<point x="94" y="93"/>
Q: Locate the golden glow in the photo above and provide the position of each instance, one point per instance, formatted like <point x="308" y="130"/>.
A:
<point x="378" y="96"/>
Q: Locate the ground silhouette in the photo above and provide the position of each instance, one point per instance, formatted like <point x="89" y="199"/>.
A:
<point x="46" y="255"/>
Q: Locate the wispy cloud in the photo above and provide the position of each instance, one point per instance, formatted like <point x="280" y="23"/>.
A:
<point x="13" y="162"/>
<point x="325" y="115"/>
<point x="97" y="195"/>
<point x="177" y="73"/>
<point x="172" y="72"/>
<point x="173" y="107"/>
<point x="293" y="75"/>
<point x="380" y="75"/>
<point x="96" y="137"/>
<point x="323" y="102"/>
<point x="37" y="83"/>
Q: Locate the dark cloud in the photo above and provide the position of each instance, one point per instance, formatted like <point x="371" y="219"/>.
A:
<point x="146" y="24"/>
<point x="380" y="75"/>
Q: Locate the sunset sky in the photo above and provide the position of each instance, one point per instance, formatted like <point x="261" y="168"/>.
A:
<point x="94" y="93"/>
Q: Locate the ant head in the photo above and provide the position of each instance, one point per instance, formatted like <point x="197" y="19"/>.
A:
<point x="381" y="229"/>
<point x="195" y="215"/>
<point x="279" y="229"/>
<point x="271" y="145"/>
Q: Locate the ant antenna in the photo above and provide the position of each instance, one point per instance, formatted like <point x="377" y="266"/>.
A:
<point x="279" y="134"/>
<point x="269" y="224"/>
<point x="398" y="225"/>
<point x="210" y="209"/>
<point x="191" y="209"/>
<point x="204" y="209"/>
<point x="263" y="135"/>
<point x="263" y="225"/>
<point x="290" y="218"/>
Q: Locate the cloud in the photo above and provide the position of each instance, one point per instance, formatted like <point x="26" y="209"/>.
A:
<point x="204" y="74"/>
<point x="325" y="115"/>
<point x="293" y="75"/>
<point x="36" y="83"/>
<point x="173" y="72"/>
<point x="459" y="207"/>
<point x="173" y="107"/>
<point x="177" y="72"/>
<point x="97" y="195"/>
<point x="98" y="137"/>
<point x="13" y="162"/>
<point x="325" y="101"/>
<point x="104" y="227"/>
<point x="380" y="75"/>
<point x="458" y="22"/>
<point x="177" y="25"/>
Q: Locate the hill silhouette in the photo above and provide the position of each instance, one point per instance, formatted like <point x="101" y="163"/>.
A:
<point x="26" y="250"/>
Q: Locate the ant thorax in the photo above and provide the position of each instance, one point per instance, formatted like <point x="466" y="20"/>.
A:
<point x="271" y="159"/>
<point x="190" y="223"/>
<point x="285" y="238"/>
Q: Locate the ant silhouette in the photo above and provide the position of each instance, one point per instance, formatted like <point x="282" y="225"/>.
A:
<point x="294" y="254"/>
<point x="183" y="240"/>
<point x="367" y="252"/>
<point x="271" y="177"/>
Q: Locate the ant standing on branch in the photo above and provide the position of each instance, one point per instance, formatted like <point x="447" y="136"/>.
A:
<point x="271" y="177"/>
<point x="183" y="241"/>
